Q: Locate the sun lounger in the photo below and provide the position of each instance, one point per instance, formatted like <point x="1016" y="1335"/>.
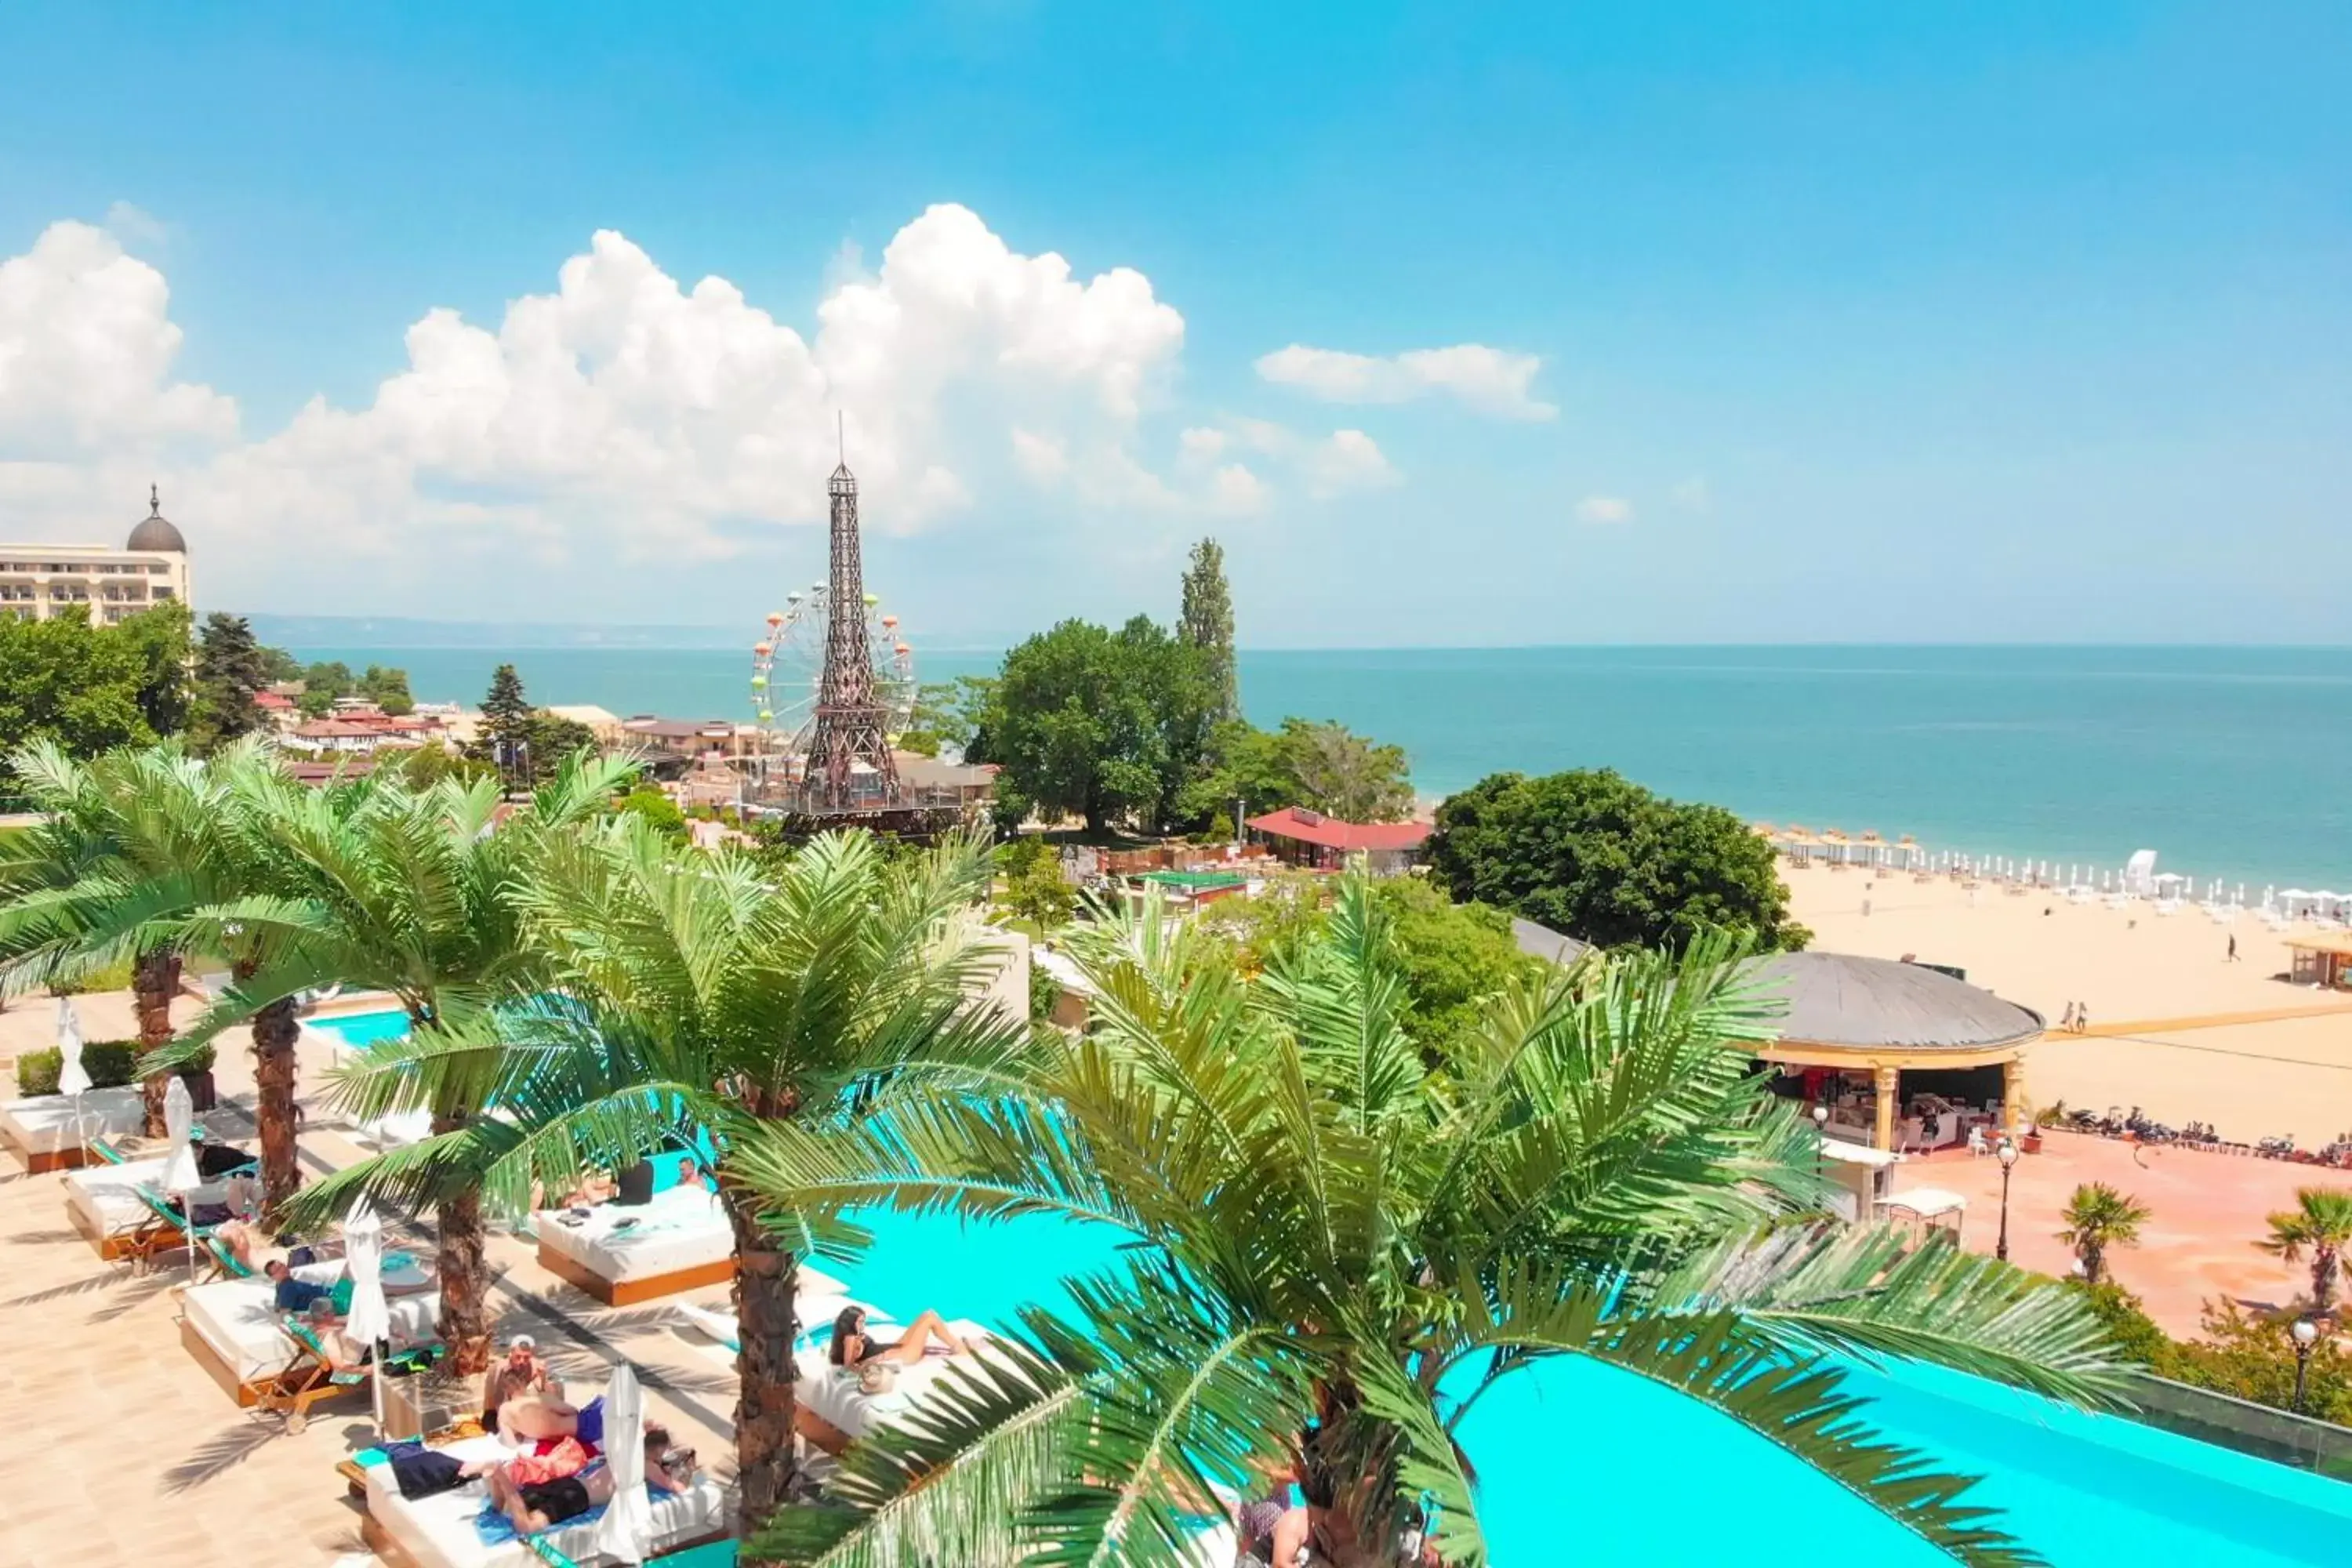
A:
<point x="312" y="1375"/>
<point x="621" y="1253"/>
<point x="112" y="1203"/>
<point x="235" y="1331"/>
<point x="439" y="1532"/>
<point x="44" y="1134"/>
<point x="842" y="1409"/>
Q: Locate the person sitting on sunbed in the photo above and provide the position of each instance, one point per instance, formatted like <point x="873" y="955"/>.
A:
<point x="593" y="1187"/>
<point x="522" y="1374"/>
<point x="215" y="1161"/>
<point x="293" y="1295"/>
<point x="532" y="1507"/>
<point x="852" y="1348"/>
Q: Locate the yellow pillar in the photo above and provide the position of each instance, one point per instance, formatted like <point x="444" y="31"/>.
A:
<point x="1885" y="1081"/>
<point x="2012" y="1094"/>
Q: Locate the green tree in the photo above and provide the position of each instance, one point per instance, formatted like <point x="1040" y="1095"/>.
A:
<point x="2318" y="1227"/>
<point x="660" y="813"/>
<point x="282" y="667"/>
<point x="133" y="847"/>
<point x="1328" y="1227"/>
<point x="91" y="689"/>
<point x="1034" y="886"/>
<point x="1205" y="624"/>
<point x="2252" y="1358"/>
<point x="509" y="728"/>
<point x="1092" y="723"/>
<point x="702" y="993"/>
<point x="1244" y="766"/>
<point x="388" y="688"/>
<point x="428" y="764"/>
<point x="2131" y="1333"/>
<point x="230" y="673"/>
<point x="332" y="677"/>
<point x="1595" y="855"/>
<point x="382" y="887"/>
<point x="1344" y="774"/>
<point x="553" y="738"/>
<point x="2097" y="1218"/>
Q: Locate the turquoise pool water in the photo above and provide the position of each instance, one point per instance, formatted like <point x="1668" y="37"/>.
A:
<point x="363" y="1028"/>
<point x="1584" y="1463"/>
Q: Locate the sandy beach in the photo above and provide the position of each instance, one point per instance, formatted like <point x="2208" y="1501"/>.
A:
<point x="2176" y="1027"/>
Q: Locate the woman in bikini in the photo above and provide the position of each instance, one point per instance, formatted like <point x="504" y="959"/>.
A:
<point x="852" y="1348"/>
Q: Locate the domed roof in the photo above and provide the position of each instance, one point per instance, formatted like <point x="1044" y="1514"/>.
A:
<point x="155" y="531"/>
<point x="1838" y="999"/>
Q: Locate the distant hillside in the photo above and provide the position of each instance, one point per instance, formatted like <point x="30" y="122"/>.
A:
<point x="402" y="632"/>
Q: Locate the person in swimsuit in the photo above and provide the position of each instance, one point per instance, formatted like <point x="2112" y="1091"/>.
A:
<point x="540" y="1417"/>
<point x="522" y="1372"/>
<point x="852" y="1348"/>
<point x="533" y="1507"/>
<point x="1271" y="1532"/>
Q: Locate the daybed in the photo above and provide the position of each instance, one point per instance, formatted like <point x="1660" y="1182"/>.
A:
<point x="439" y="1531"/>
<point x="43" y="1132"/>
<point x="103" y="1203"/>
<point x="235" y="1331"/>
<point x="834" y="1408"/>
<point x="622" y="1253"/>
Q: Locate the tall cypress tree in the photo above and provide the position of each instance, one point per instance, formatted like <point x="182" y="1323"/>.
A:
<point x="231" y="671"/>
<point x="508" y="725"/>
<point x="1206" y="623"/>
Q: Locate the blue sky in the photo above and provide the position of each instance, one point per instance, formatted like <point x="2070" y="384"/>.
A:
<point x="1792" y="322"/>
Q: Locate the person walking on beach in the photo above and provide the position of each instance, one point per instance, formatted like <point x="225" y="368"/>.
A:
<point x="2066" y="1023"/>
<point x="2233" y="947"/>
<point x="2082" y="1017"/>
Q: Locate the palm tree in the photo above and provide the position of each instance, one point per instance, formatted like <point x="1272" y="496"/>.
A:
<point x="378" y="885"/>
<point x="1341" y="1245"/>
<point x="129" y="843"/>
<point x="2320" y="1223"/>
<point x="702" y="993"/>
<point x="2098" y="1217"/>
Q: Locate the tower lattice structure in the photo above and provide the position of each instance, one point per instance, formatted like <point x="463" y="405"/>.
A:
<point x="850" y="726"/>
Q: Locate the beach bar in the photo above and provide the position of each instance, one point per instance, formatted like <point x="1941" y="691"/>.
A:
<point x="2322" y="960"/>
<point x="1904" y="1055"/>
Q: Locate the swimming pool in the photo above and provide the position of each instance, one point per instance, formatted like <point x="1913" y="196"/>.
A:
<point x="1585" y="1462"/>
<point x="357" y="1029"/>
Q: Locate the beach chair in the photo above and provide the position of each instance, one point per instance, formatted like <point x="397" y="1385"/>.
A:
<point x="220" y="1263"/>
<point x="314" y="1376"/>
<point x="160" y="1231"/>
<point x="1978" y="1147"/>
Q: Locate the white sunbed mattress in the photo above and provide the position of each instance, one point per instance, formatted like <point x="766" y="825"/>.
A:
<point x="685" y="1228"/>
<point x="439" y="1531"/>
<point x="239" y="1320"/>
<point x="45" y="1125"/>
<point x="104" y="1199"/>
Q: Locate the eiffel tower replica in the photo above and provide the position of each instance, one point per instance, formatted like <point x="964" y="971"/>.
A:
<point x="847" y="766"/>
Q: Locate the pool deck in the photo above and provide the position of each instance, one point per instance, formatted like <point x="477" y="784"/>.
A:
<point x="123" y="1451"/>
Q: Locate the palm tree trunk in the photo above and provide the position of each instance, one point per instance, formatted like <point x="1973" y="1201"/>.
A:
<point x="2323" y="1278"/>
<point x="465" y="1323"/>
<point x="275" y="1032"/>
<point x="767" y="1277"/>
<point x="155" y="981"/>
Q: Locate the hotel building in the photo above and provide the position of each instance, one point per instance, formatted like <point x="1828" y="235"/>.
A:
<point x="40" y="581"/>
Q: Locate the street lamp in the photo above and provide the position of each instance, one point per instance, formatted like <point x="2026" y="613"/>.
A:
<point x="2008" y="1163"/>
<point x="2306" y="1334"/>
<point x="1821" y="1131"/>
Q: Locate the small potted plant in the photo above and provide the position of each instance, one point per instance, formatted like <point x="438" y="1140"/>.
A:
<point x="2031" y="1140"/>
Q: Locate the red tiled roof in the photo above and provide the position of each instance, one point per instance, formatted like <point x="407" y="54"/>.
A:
<point x="1314" y="827"/>
<point x="271" y="700"/>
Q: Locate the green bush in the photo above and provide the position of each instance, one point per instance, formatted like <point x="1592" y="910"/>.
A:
<point x="110" y="1063"/>
<point x="1043" y="992"/>
<point x="114" y="977"/>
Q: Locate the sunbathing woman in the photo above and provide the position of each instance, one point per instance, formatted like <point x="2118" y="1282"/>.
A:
<point x="852" y="1348"/>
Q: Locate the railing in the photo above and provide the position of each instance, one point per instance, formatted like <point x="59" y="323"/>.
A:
<point x="2261" y="1430"/>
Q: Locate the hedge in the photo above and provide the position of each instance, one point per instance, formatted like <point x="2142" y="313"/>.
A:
<point x="110" y="1064"/>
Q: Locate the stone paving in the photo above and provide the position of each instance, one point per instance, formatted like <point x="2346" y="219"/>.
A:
<point x="119" y="1449"/>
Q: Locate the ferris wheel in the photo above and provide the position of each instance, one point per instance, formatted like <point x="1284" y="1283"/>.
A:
<point x="788" y="667"/>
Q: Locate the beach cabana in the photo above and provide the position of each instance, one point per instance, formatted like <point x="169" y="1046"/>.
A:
<point x="625" y="1253"/>
<point x="2322" y="961"/>
<point x="1883" y="1043"/>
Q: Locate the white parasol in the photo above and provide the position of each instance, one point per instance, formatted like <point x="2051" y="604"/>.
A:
<point x="72" y="1077"/>
<point x="626" y="1534"/>
<point x="369" y="1321"/>
<point x="180" y="1175"/>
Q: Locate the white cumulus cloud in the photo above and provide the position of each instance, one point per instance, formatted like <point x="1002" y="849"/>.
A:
<point x="1605" y="510"/>
<point x="1491" y="381"/>
<point x="1347" y="460"/>
<point x="86" y="349"/>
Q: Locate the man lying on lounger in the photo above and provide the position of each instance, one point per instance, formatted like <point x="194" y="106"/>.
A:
<point x="299" y="1296"/>
<point x="534" y="1506"/>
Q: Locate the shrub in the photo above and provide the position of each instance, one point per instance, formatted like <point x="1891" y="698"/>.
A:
<point x="110" y="1063"/>
<point x="1043" y="992"/>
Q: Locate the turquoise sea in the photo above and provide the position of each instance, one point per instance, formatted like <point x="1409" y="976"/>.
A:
<point x="2234" y="762"/>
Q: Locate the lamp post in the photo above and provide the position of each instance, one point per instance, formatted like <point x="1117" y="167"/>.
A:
<point x="2306" y="1334"/>
<point x="1821" y="1131"/>
<point x="2008" y="1163"/>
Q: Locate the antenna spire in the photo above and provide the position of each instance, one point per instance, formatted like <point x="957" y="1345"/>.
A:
<point x="841" y="436"/>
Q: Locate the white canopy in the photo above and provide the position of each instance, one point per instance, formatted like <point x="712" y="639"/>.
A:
<point x="1858" y="1153"/>
<point x="180" y="1171"/>
<point x="1928" y="1203"/>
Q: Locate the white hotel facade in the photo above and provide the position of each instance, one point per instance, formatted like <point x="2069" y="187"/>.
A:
<point x="38" y="582"/>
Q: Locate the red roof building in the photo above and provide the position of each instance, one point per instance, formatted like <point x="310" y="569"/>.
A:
<point x="1305" y="837"/>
